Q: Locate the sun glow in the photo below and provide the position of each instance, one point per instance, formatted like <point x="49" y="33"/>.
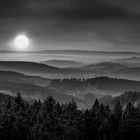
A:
<point x="21" y="42"/>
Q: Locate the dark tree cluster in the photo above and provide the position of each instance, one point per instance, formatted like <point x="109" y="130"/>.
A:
<point x="50" y="120"/>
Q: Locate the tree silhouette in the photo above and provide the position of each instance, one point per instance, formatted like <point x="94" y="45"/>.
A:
<point x="51" y="120"/>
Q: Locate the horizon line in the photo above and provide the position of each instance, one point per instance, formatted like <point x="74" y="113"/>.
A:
<point x="68" y="50"/>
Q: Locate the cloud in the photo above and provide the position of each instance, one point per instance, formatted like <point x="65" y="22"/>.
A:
<point x="94" y="9"/>
<point x="71" y="9"/>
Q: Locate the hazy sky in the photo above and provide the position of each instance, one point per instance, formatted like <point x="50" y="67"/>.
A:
<point x="103" y="25"/>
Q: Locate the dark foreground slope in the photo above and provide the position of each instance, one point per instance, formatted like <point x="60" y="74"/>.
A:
<point x="21" y="120"/>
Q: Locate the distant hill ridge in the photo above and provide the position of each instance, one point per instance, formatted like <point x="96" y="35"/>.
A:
<point x="62" y="63"/>
<point x="99" y="83"/>
<point x="22" y="63"/>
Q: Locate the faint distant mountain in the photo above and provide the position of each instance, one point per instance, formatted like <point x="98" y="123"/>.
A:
<point x="135" y="70"/>
<point x="62" y="63"/>
<point x="108" y="69"/>
<point x="130" y="62"/>
<point x="14" y="77"/>
<point x="75" y="51"/>
<point x="29" y="67"/>
<point x="38" y="69"/>
<point x="104" y="66"/>
<point x="86" y="52"/>
<point x="118" y="69"/>
<point x="32" y="69"/>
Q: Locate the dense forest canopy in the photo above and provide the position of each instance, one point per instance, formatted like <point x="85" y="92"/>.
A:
<point x="50" y="120"/>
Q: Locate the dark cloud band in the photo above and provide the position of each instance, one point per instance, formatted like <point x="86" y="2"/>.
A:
<point x="79" y="9"/>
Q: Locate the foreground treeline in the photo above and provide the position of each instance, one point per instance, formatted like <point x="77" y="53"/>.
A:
<point x="20" y="120"/>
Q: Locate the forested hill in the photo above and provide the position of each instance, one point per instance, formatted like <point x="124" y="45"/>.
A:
<point x="50" y="120"/>
<point x="102" y="83"/>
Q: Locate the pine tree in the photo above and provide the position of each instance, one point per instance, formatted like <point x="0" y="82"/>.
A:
<point x="130" y="127"/>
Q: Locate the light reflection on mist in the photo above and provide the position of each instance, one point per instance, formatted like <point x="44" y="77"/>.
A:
<point x="39" y="57"/>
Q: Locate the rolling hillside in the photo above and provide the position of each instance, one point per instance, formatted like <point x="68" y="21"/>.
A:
<point x="84" y="92"/>
<point x="32" y="87"/>
<point x="62" y="63"/>
<point x="109" y="69"/>
<point x="103" y="84"/>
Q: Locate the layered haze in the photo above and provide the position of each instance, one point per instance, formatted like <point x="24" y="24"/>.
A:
<point x="78" y="49"/>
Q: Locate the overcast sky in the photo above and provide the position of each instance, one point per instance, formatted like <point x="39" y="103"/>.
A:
<point x="100" y="25"/>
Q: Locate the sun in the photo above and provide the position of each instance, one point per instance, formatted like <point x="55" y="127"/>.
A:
<point x="21" y="42"/>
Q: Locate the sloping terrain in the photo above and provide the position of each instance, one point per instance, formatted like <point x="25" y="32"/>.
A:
<point x="32" y="87"/>
<point x="62" y="63"/>
<point x="91" y="85"/>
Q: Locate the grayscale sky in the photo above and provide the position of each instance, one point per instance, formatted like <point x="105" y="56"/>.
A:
<point x="97" y="25"/>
